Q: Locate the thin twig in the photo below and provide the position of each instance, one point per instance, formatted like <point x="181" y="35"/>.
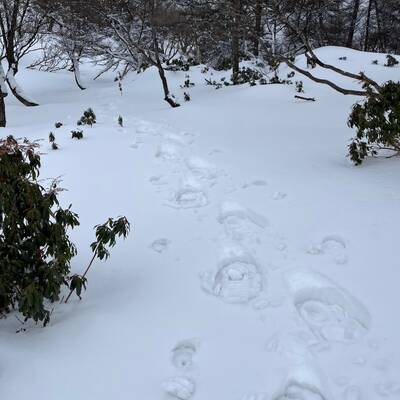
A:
<point x="84" y="274"/>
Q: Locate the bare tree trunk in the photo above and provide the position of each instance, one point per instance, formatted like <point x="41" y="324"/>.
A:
<point x="367" y="26"/>
<point x="381" y="34"/>
<point x="3" y="121"/>
<point x="164" y="81"/>
<point x="159" y="66"/>
<point x="3" y="94"/>
<point x="257" y="28"/>
<point x="353" y="23"/>
<point x="77" y="72"/>
<point x="235" y="38"/>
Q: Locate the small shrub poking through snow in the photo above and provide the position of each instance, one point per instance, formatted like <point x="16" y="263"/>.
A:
<point x="299" y="87"/>
<point x="291" y="75"/>
<point x="88" y="118"/>
<point x="217" y="85"/>
<point x="377" y="121"/>
<point x="77" y="134"/>
<point x="248" y="75"/>
<point x="186" y="96"/>
<point x="121" y="121"/>
<point x="52" y="140"/>
<point x="391" y="61"/>
<point x="187" y="83"/>
<point x="375" y="62"/>
<point x="276" y="80"/>
<point x="181" y="64"/>
<point x="58" y="125"/>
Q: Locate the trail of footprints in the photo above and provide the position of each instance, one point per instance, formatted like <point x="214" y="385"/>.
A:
<point x="186" y="185"/>
<point x="182" y="386"/>
<point x="330" y="313"/>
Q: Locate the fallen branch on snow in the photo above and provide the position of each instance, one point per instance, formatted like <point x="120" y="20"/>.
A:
<point x="305" y="98"/>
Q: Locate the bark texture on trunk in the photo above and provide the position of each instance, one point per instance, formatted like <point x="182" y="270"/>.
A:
<point x="353" y="23"/>
<point x="159" y="65"/>
<point x="257" y="28"/>
<point x="236" y="5"/>
<point x="381" y="33"/>
<point x="367" y="26"/>
<point x="3" y="121"/>
<point x="77" y="73"/>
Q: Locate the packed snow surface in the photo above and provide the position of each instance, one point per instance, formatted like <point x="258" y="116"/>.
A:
<point x="261" y="264"/>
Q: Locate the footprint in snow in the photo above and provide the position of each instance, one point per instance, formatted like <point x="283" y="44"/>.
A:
<point x="236" y="280"/>
<point x="279" y="196"/>
<point x="145" y="128"/>
<point x="332" y="245"/>
<point x="342" y="381"/>
<point x="183" y="354"/>
<point x="160" y="245"/>
<point x="179" y="387"/>
<point x="202" y="169"/>
<point x="330" y="312"/>
<point x="168" y="151"/>
<point x="190" y="195"/>
<point x="301" y="384"/>
<point x="388" y="389"/>
<point x="241" y="224"/>
<point x="263" y="303"/>
<point x="136" y="143"/>
<point x="175" y="138"/>
<point x="255" y="183"/>
<point x="158" y="180"/>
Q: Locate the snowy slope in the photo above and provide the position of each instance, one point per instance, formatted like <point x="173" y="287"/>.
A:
<point x="261" y="265"/>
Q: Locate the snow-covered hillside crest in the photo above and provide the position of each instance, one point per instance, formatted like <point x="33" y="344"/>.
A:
<point x="261" y="265"/>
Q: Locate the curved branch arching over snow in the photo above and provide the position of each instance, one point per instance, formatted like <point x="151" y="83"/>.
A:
<point x="17" y="91"/>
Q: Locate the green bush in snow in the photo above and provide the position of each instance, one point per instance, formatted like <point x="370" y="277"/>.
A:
<point x="120" y="121"/>
<point x="77" y="134"/>
<point x="299" y="87"/>
<point x="187" y="83"/>
<point x="180" y="64"/>
<point x="88" y="118"/>
<point x="377" y="121"/>
<point x="52" y="140"/>
<point x="391" y="61"/>
<point x="248" y="75"/>
<point x="35" y="249"/>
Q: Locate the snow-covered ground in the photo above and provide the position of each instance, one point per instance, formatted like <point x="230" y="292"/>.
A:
<point x="261" y="264"/>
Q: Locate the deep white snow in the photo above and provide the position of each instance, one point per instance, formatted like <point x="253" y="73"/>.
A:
<point x="262" y="265"/>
